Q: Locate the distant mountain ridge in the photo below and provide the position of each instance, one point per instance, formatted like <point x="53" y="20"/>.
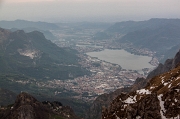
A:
<point x="20" y="24"/>
<point x="159" y="35"/>
<point x="160" y="39"/>
<point x="29" y="26"/>
<point x="131" y="26"/>
<point x="46" y="33"/>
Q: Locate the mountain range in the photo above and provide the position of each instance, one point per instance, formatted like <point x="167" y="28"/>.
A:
<point x="159" y="40"/>
<point x="131" y="26"/>
<point x="30" y="57"/>
<point x="29" y="26"/>
<point x="20" y="24"/>
<point x="158" y="35"/>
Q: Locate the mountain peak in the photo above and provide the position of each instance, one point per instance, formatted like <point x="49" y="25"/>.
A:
<point x="25" y="98"/>
<point x="27" y="107"/>
<point x="168" y="65"/>
<point x="176" y="60"/>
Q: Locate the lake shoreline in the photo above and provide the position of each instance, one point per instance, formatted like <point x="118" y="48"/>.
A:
<point x="149" y="64"/>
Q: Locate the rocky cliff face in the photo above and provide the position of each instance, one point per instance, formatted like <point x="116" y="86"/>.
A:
<point x="102" y="101"/>
<point x="159" y="99"/>
<point x="168" y="65"/>
<point x="27" y="107"/>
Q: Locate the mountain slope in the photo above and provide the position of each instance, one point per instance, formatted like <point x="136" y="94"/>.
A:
<point x="32" y="55"/>
<point x="160" y="39"/>
<point x="159" y="35"/>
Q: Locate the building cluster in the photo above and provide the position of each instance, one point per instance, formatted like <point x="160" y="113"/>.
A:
<point x="106" y="77"/>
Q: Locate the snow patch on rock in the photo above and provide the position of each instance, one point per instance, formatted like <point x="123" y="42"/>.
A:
<point x="131" y="99"/>
<point x="162" y="111"/>
<point x="143" y="91"/>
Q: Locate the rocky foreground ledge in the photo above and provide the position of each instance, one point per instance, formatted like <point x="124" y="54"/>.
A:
<point x="27" y="107"/>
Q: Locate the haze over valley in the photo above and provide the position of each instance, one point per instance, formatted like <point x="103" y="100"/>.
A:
<point x="85" y="59"/>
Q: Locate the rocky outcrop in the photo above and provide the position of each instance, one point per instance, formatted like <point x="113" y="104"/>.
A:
<point x="27" y="107"/>
<point x="4" y="34"/>
<point x="101" y="102"/>
<point x="159" y="99"/>
<point x="176" y="60"/>
<point x="168" y="65"/>
<point x="148" y="106"/>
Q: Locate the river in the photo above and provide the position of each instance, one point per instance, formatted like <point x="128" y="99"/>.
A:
<point x="125" y="59"/>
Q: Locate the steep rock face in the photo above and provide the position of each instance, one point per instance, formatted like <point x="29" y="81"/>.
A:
<point x="65" y="111"/>
<point x="27" y="107"/>
<point x="176" y="60"/>
<point x="168" y="65"/>
<point x="102" y="101"/>
<point x="160" y="99"/>
<point x="4" y="34"/>
<point x="138" y="84"/>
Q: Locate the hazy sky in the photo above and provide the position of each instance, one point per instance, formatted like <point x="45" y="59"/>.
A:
<point x="88" y="10"/>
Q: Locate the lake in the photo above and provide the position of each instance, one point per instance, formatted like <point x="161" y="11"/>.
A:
<point x="125" y="59"/>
